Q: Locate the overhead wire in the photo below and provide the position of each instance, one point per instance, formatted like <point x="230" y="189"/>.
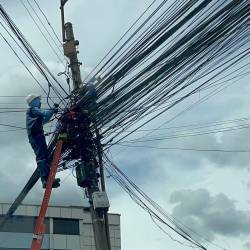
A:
<point x="178" y="135"/>
<point x="199" y="88"/>
<point x="32" y="54"/>
<point x="149" y="71"/>
<point x="124" y="35"/>
<point x="201" y="100"/>
<point x="40" y="30"/>
<point x="48" y="22"/>
<point x="26" y="67"/>
<point x="155" y="210"/>
<point x="199" y="125"/>
<point x="11" y="130"/>
<point x="177" y="51"/>
<point x="23" y="96"/>
<point x="11" y="126"/>
<point x="19" y="57"/>
<point x="170" y="106"/>
<point x="187" y="149"/>
<point x="59" y="46"/>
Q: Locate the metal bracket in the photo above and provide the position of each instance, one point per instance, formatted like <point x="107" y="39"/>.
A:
<point x="63" y="137"/>
<point x="37" y="236"/>
<point x="69" y="48"/>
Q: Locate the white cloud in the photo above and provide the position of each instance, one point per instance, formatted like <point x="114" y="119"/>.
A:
<point x="210" y="215"/>
<point x="98" y="25"/>
<point x="247" y="246"/>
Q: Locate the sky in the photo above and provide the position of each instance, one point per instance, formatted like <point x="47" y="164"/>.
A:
<point x="207" y="191"/>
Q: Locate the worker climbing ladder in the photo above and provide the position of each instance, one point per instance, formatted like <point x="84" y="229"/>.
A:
<point x="83" y="147"/>
<point x="40" y="226"/>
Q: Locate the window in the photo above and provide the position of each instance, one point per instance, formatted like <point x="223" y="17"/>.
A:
<point x="66" y="226"/>
<point x="22" y="224"/>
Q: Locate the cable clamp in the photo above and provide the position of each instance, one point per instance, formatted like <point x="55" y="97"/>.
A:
<point x="37" y="236"/>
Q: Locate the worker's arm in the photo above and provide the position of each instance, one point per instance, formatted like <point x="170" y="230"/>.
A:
<point x="46" y="114"/>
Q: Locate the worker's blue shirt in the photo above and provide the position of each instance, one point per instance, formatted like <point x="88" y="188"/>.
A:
<point x="35" y="118"/>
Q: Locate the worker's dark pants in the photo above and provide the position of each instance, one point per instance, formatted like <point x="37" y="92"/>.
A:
<point x="40" y="148"/>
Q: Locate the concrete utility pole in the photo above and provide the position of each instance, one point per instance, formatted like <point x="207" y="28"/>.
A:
<point x="71" y="52"/>
<point x="86" y="169"/>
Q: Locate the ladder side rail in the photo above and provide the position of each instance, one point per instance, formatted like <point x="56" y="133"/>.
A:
<point x="40" y="227"/>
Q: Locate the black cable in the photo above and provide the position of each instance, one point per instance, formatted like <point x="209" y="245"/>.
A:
<point x="11" y="130"/>
<point x="187" y="149"/>
<point x="33" y="55"/>
<point x="177" y="51"/>
<point x="11" y="126"/>
<point x="32" y="75"/>
<point x="48" y="22"/>
<point x="142" y="199"/>
<point x="45" y="28"/>
<point x="38" y="27"/>
<point x="22" y="96"/>
<point x="130" y="28"/>
<point x="184" y="135"/>
<point x="31" y="59"/>
<point x="119" y="89"/>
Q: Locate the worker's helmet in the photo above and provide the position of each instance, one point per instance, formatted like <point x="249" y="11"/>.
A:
<point x="31" y="97"/>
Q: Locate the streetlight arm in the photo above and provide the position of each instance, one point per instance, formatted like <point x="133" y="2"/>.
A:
<point x="63" y="2"/>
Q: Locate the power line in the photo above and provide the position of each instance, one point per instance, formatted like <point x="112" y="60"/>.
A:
<point x="32" y="75"/>
<point x="184" y="135"/>
<point x="186" y="149"/>
<point x="56" y="45"/>
<point x="206" y="97"/>
<point x="130" y="28"/>
<point x="194" y="126"/>
<point x="178" y="51"/>
<point x="11" y="126"/>
<point x="32" y="55"/>
<point x="156" y="212"/>
<point x="23" y="96"/>
<point x="11" y="130"/>
<point x="48" y="22"/>
<point x="42" y="33"/>
<point x="195" y="55"/>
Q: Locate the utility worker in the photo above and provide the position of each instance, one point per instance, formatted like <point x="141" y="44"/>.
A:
<point x="35" y="118"/>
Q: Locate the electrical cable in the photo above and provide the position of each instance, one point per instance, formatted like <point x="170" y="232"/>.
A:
<point x="130" y="28"/>
<point x="176" y="51"/>
<point x="19" y="58"/>
<point x="48" y="22"/>
<point x="33" y="55"/>
<point x="40" y="30"/>
<point x="187" y="149"/>
<point x="155" y="211"/>
<point x="11" y="126"/>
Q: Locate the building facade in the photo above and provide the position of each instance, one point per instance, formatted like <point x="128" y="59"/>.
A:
<point x="67" y="228"/>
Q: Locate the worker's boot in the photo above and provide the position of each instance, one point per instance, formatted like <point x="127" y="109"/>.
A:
<point x="56" y="183"/>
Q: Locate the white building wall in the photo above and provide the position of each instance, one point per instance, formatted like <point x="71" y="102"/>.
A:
<point x="19" y="240"/>
<point x="83" y="241"/>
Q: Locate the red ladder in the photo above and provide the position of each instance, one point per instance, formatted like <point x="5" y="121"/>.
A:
<point x="40" y="226"/>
